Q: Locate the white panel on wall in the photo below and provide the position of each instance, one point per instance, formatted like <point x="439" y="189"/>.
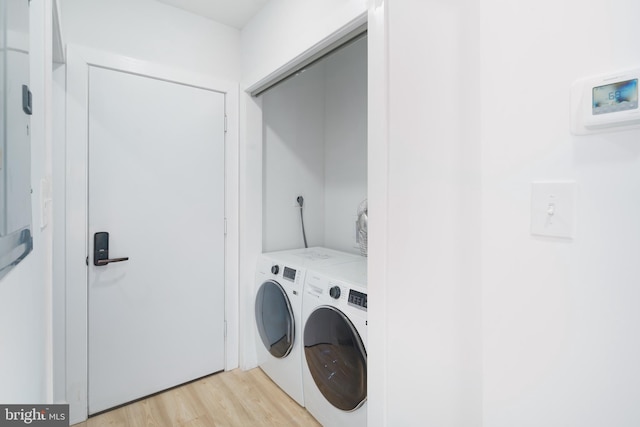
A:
<point x="315" y="145"/>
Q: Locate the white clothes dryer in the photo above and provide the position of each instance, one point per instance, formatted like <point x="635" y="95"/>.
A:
<point x="278" y="310"/>
<point x="334" y="312"/>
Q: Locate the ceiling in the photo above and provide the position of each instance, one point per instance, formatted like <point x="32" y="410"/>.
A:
<point x="235" y="13"/>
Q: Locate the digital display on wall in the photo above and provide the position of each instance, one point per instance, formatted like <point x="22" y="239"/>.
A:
<point x="614" y="97"/>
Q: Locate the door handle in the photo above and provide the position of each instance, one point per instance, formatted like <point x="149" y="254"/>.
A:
<point x="101" y="250"/>
<point x="101" y="262"/>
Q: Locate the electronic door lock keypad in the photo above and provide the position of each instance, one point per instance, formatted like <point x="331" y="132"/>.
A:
<point x="101" y="250"/>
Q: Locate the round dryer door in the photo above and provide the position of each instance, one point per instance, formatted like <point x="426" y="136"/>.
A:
<point x="336" y="358"/>
<point x="274" y="318"/>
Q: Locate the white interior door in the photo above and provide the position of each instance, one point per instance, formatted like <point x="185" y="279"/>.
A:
<point x="156" y="185"/>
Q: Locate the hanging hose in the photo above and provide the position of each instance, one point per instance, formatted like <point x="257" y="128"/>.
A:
<point x="300" y="201"/>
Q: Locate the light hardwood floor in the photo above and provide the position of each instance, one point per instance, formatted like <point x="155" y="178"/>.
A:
<point x="234" y="398"/>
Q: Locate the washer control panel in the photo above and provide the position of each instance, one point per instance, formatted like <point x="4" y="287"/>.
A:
<point x="289" y="273"/>
<point x="357" y="299"/>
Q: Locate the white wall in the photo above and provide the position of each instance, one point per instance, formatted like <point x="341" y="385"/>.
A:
<point x="152" y="31"/>
<point x="293" y="161"/>
<point x="560" y="317"/>
<point x="432" y="293"/>
<point x="25" y="293"/>
<point x="315" y="145"/>
<point x="286" y="29"/>
<point x="345" y="144"/>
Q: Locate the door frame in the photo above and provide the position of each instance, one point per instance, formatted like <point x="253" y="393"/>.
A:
<point x="79" y="61"/>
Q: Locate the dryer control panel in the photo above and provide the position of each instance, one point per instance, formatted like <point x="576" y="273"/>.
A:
<point x="358" y="299"/>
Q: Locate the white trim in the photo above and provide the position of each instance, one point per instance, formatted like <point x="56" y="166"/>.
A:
<point x="232" y="250"/>
<point x="318" y="49"/>
<point x="58" y="268"/>
<point x="58" y="43"/>
<point x="79" y="59"/>
<point x="378" y="182"/>
<point x="250" y="221"/>
<point x="45" y="213"/>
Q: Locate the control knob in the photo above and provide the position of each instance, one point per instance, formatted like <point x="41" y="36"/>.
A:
<point x="275" y="269"/>
<point x="334" y="292"/>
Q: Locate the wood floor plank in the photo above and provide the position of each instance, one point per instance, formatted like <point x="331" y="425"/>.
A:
<point x="227" y="399"/>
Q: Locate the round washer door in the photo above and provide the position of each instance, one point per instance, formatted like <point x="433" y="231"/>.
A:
<point x="336" y="358"/>
<point x="274" y="318"/>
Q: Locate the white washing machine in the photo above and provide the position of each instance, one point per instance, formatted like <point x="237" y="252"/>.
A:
<point x="278" y="309"/>
<point x="334" y="313"/>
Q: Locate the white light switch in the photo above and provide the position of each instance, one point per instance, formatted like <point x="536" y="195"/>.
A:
<point x="553" y="209"/>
